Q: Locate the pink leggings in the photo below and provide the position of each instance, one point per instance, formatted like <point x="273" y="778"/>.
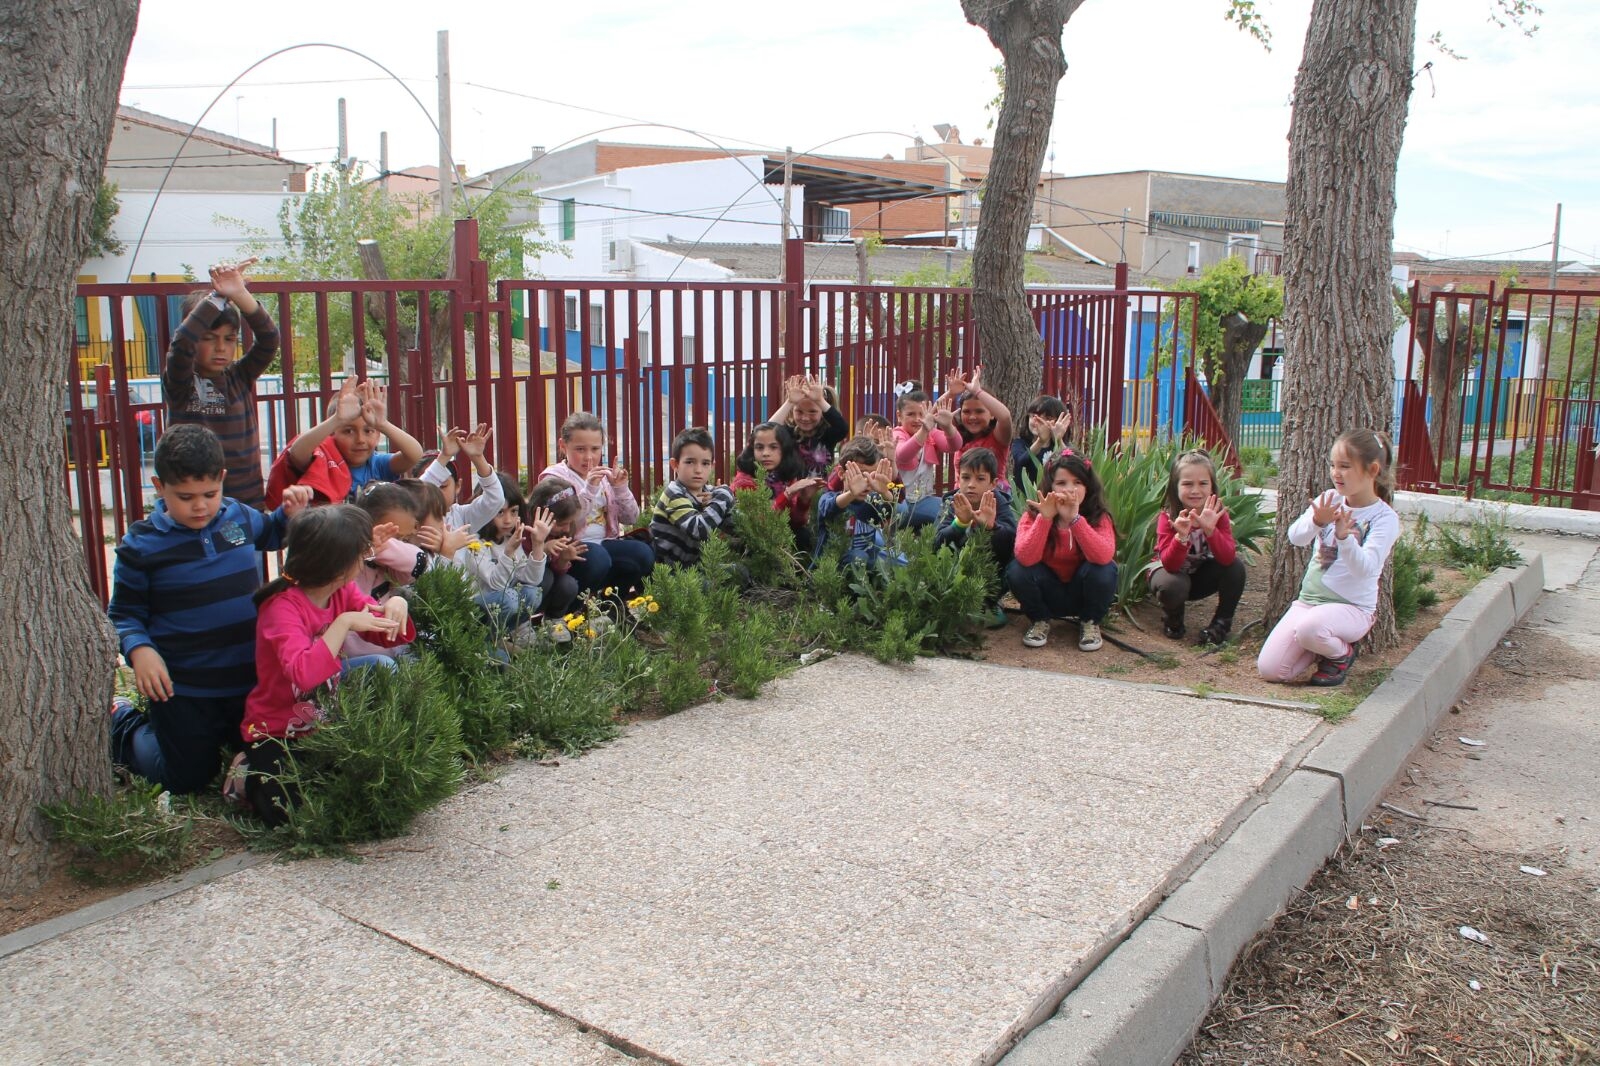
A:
<point x="1306" y="632"/>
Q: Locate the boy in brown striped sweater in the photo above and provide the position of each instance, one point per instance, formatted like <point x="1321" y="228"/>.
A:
<point x="204" y="384"/>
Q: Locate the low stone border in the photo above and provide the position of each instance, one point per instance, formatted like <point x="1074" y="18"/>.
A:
<point x="1460" y="509"/>
<point x="1145" y="1001"/>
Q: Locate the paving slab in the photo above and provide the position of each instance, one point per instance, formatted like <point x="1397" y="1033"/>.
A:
<point x="868" y="864"/>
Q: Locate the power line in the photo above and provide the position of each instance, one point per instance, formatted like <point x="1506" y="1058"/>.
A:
<point x="260" y="84"/>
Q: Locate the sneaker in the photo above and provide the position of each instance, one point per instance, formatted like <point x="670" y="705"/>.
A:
<point x="1173" y="627"/>
<point x="1009" y="602"/>
<point x="1037" y="635"/>
<point x="1089" y="636"/>
<point x="1332" y="672"/>
<point x="233" y="782"/>
<point x="1216" y="632"/>
<point x="998" y="619"/>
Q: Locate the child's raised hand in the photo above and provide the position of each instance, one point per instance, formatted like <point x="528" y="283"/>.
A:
<point x="1049" y="503"/>
<point x="1066" y="507"/>
<point x="543" y="522"/>
<point x="428" y="537"/>
<point x="1061" y="428"/>
<point x="962" y="507"/>
<point x="348" y="407"/>
<point x="228" y="279"/>
<point x="1344" y="523"/>
<point x="1183" y="525"/>
<point x="297" y="498"/>
<point x="449" y="443"/>
<point x="955" y="384"/>
<point x="382" y="534"/>
<point x="618" y="474"/>
<point x="801" y="485"/>
<point x="1324" y="508"/>
<point x="987" y="511"/>
<point x="856" y="482"/>
<point x="975" y="383"/>
<point x="794" y="388"/>
<point x="474" y="443"/>
<point x="374" y="404"/>
<point x="454" y="540"/>
<point x="1209" y="515"/>
<point x="881" y="476"/>
<point x="150" y="675"/>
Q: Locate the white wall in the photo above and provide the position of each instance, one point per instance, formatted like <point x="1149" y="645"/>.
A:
<point x="185" y="231"/>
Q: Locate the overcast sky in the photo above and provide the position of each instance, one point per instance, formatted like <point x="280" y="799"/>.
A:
<point x="1494" y="141"/>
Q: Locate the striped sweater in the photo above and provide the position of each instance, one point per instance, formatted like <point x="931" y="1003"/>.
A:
<point x="187" y="593"/>
<point x="225" y="404"/>
<point x="680" y="524"/>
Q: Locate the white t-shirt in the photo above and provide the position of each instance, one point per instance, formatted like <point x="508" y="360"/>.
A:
<point x="1347" y="570"/>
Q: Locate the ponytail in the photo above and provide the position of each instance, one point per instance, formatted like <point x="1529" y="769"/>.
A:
<point x="1371" y="446"/>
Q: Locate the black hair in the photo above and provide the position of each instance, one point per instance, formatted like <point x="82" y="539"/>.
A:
<point x="980" y="459"/>
<point x="427" y="496"/>
<point x="380" y="498"/>
<point x="322" y="545"/>
<point x="514" y="498"/>
<point x="863" y="450"/>
<point x="697" y="435"/>
<point x="189" y="451"/>
<point x="790" y="465"/>
<point x="1094" y="504"/>
<point x="228" y="316"/>
<point x="1193" y="457"/>
<point x="1046" y="406"/>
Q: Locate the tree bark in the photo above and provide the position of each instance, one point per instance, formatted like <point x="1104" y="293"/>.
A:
<point x="1351" y="97"/>
<point x="60" y="68"/>
<point x="1028" y="35"/>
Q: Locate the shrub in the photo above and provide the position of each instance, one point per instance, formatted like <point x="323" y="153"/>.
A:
<point x="745" y="654"/>
<point x="565" y="700"/>
<point x="679" y="683"/>
<point x="937" y="596"/>
<point x="1412" y="582"/>
<point x="389" y="750"/>
<point x="138" y="829"/>
<point x="763" y="541"/>
<point x="684" y="620"/>
<point x="1485" y="545"/>
<point x="451" y="629"/>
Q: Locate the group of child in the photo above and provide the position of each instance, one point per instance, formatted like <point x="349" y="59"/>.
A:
<point x="227" y="662"/>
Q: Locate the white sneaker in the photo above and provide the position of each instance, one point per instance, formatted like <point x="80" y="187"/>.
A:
<point x="1089" y="636"/>
<point x="1036" y="635"/>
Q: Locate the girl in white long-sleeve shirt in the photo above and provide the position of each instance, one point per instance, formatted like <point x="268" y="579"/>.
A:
<point x="508" y="561"/>
<point x="1353" y="529"/>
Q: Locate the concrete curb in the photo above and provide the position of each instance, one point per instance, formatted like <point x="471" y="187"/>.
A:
<point x="1459" y="509"/>
<point x="1145" y="1001"/>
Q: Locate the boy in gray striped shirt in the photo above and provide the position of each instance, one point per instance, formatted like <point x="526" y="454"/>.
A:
<point x="687" y="513"/>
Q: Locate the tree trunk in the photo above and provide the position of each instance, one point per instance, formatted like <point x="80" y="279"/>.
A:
<point x="1351" y="96"/>
<point x="1028" y="35"/>
<point x="1240" y="339"/>
<point x="60" y="69"/>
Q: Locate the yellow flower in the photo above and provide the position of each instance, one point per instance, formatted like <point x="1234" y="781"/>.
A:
<point x="609" y="591"/>
<point x="653" y="607"/>
<point x="477" y="545"/>
<point x="589" y="633"/>
<point x="574" y="623"/>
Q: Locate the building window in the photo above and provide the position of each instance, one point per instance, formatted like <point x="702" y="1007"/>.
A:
<point x="1194" y="257"/>
<point x="569" y="219"/>
<point x="80" y="320"/>
<point x="687" y="354"/>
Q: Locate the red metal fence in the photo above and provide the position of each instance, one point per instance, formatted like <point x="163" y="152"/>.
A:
<point x="1500" y="395"/>
<point x="647" y="357"/>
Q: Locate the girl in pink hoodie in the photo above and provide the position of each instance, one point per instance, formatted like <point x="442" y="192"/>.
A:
<point x="925" y="434"/>
<point x="609" y="559"/>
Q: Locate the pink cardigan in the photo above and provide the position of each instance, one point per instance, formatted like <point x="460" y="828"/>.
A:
<point x="621" y="507"/>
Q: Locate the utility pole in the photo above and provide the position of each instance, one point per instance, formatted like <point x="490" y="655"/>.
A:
<point x="788" y="188"/>
<point x="383" y="161"/>
<point x="446" y="166"/>
<point x="342" y="153"/>
<point x="1555" y="248"/>
<point x="1123" y="243"/>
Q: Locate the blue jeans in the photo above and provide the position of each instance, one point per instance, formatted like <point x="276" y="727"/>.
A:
<point x="179" y="744"/>
<point x="1043" y="595"/>
<point x="624" y="562"/>
<point x="924" y="512"/>
<point x="510" y="607"/>
<point x="359" y="662"/>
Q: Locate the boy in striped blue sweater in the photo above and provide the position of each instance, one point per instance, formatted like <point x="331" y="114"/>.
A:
<point x="181" y="604"/>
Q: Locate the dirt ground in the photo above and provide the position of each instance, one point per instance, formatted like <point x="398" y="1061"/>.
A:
<point x="1172" y="662"/>
<point x="1368" y="965"/>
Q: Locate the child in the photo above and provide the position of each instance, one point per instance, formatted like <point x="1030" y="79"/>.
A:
<point x="440" y="542"/>
<point x="1353" y="528"/>
<point x="1049" y="429"/>
<point x="1066" y="545"/>
<point x="811" y="409"/>
<point x="306" y="613"/>
<point x="181" y="604"/>
<point x="339" y="455"/>
<point x="562" y="546"/>
<point x="204" y="385"/>
<point x="686" y="512"/>
<point x="859" y="490"/>
<point x="1194" y="544"/>
<point x="982" y="420"/>
<point x="508" y="562"/>
<point x="396" y="515"/>
<point x="924" y="434"/>
<point x="610" y="559"/>
<point x="980" y="501"/>
<point x="773" y="454"/>
<point x="441" y="472"/>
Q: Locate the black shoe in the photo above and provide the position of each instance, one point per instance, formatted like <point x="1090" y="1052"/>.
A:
<point x="1172" y="626"/>
<point x="1216" y="632"/>
<point x="1332" y="672"/>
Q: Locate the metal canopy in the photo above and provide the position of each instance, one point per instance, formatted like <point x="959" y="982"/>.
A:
<point x="833" y="186"/>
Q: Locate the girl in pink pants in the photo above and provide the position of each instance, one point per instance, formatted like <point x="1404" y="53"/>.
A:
<point x="1352" y="528"/>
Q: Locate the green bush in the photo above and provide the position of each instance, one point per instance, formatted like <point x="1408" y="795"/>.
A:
<point x="564" y="700"/>
<point x="679" y="683"/>
<point x="139" y="829"/>
<point x="744" y="654"/>
<point x="1413" y="582"/>
<point x="936" y="598"/>
<point x="451" y="629"/>
<point x="1484" y="545"/>
<point x="389" y="750"/>
<point x="763" y="541"/>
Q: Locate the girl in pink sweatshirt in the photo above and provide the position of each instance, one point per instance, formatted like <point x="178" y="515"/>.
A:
<point x="925" y="434"/>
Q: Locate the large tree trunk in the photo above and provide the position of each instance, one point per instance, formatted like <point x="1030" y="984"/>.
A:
<point x="1028" y="34"/>
<point x="1350" y="100"/>
<point x="1240" y="339"/>
<point x="60" y="69"/>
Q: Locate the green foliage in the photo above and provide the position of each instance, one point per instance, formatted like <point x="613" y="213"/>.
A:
<point x="1226" y="287"/>
<point x="102" y="241"/>
<point x="744" y="654"/>
<point x="451" y="628"/>
<point x="1259" y="466"/>
<point x="763" y="540"/>
<point x="139" y="829"/>
<point x="389" y="750"/>
<point x="1413" y="582"/>
<point x="565" y="700"/>
<point x="893" y="644"/>
<point x="1485" y="545"/>
<point x="684" y="621"/>
<point x="679" y="682"/>
<point x="936" y="600"/>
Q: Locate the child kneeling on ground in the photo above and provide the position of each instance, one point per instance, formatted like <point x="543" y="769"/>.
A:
<point x="1195" y="547"/>
<point x="1066" y="545"/>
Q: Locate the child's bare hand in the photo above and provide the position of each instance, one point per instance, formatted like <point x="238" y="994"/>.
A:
<point x="369" y="621"/>
<point x="856" y="482"/>
<point x="962" y="507"/>
<point x="597" y="475"/>
<point x="1061" y="428"/>
<point x="477" y="441"/>
<point x="348" y="408"/>
<point x="1209" y="515"/>
<point x="1066" y="507"/>
<point x="454" y="540"/>
<point x="1324" y="508"/>
<point x="955" y="384"/>
<point x="228" y="279"/>
<point x="374" y="404"/>
<point x="382" y="534"/>
<point x="450" y="443"/>
<point x="397" y="610"/>
<point x="618" y="474"/>
<point x="297" y="498"/>
<point x="543" y="522"/>
<point x="987" y="511"/>
<point x="429" y="537"/>
<point x="801" y="485"/>
<point x="1344" y="523"/>
<point x="975" y="383"/>
<point x="1049" y="504"/>
<point x="1183" y="525"/>
<point x="150" y="675"/>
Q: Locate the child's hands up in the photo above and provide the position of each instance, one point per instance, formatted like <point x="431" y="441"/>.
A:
<point x="881" y="476"/>
<point x="1049" y="504"/>
<point x="801" y="485"/>
<point x="987" y="511"/>
<point x="1061" y="428"/>
<point x="975" y="383"/>
<point x="963" y="509"/>
<point x="374" y="404"/>
<point x="856" y="482"/>
<point x="618" y="474"/>
<point x="1209" y="515"/>
<point x="348" y="407"/>
<point x="475" y="442"/>
<point x="150" y="675"/>
<point x="1344" y="523"/>
<point x="428" y="538"/>
<point x="382" y="534"/>
<point x="1066" y="507"/>
<point x="543" y="522"/>
<point x="1183" y="525"/>
<point x="794" y="388"/>
<point x="955" y="384"/>
<point x="943" y="413"/>
<point x="454" y="540"/>
<point x="297" y="498"/>
<point x="228" y="278"/>
<point x="450" y="443"/>
<point x="1324" y="508"/>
